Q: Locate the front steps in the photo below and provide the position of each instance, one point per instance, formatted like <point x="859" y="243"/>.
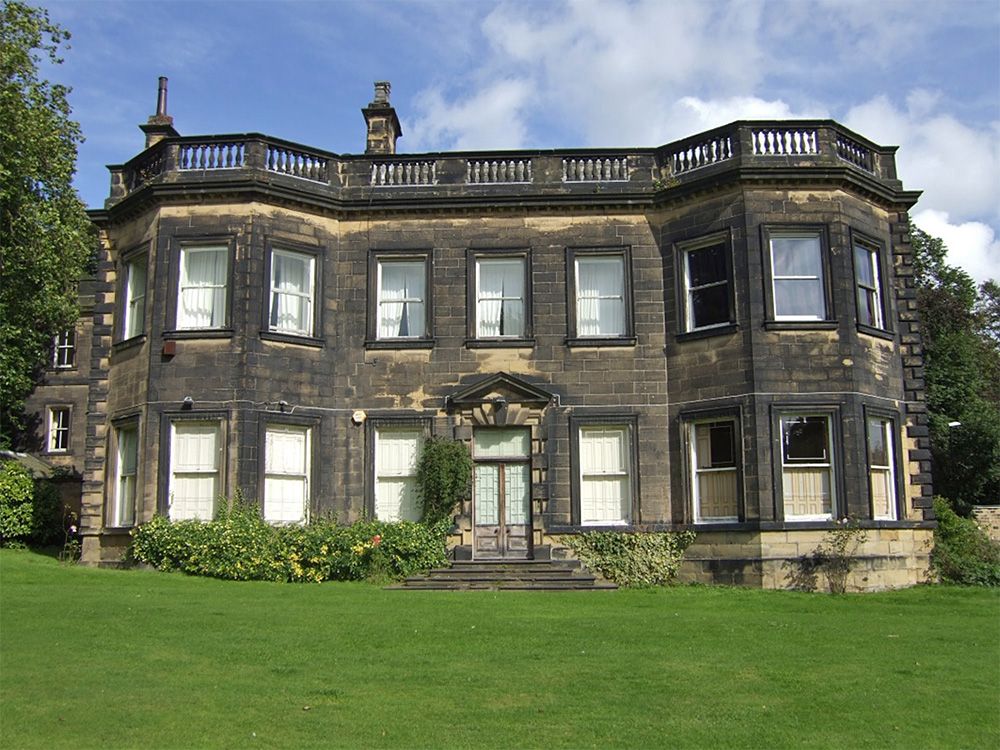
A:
<point x="508" y="575"/>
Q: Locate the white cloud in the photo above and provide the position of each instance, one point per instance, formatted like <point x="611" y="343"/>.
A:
<point x="972" y="245"/>
<point x="957" y="166"/>
<point x="693" y="115"/>
<point x="492" y="119"/>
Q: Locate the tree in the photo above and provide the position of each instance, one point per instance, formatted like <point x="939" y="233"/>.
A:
<point x="962" y="368"/>
<point x="45" y="235"/>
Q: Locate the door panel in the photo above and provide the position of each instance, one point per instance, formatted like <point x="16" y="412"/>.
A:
<point x="502" y="493"/>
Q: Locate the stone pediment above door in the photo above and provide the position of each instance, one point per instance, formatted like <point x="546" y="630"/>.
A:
<point x="500" y="399"/>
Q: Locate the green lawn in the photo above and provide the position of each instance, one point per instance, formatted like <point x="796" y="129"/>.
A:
<point x="116" y="659"/>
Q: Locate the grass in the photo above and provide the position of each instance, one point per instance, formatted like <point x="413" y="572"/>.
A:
<point x="104" y="658"/>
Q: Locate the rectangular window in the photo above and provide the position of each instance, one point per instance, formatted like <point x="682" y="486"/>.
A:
<point x="500" y="297"/>
<point x="797" y="275"/>
<point x="58" y="441"/>
<point x="293" y="279"/>
<point x="869" y="285"/>
<point x="402" y="295"/>
<point x="126" y="471"/>
<point x="135" y="298"/>
<point x="807" y="467"/>
<point x="706" y="286"/>
<point x="600" y="296"/>
<point x="195" y="483"/>
<point x="605" y="476"/>
<point x="202" y="289"/>
<point x="397" y="451"/>
<point x="713" y="471"/>
<point x="64" y="350"/>
<point x="286" y="474"/>
<point x="882" y="468"/>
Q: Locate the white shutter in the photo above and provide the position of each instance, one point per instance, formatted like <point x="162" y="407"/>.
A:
<point x="605" y="485"/>
<point x="397" y="451"/>
<point x="194" y="471"/>
<point x="286" y="474"/>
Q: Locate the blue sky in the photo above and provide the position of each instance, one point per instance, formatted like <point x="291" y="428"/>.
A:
<point x="920" y="74"/>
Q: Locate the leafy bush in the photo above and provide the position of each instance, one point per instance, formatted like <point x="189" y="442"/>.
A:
<point x="632" y="560"/>
<point x="962" y="551"/>
<point x="239" y="545"/>
<point x="47" y="514"/>
<point x="443" y="475"/>
<point x="17" y="490"/>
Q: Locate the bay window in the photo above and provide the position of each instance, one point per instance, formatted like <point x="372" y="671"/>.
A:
<point x="807" y="467"/>
<point x="203" y="287"/>
<point x="714" y="481"/>
<point x="797" y="266"/>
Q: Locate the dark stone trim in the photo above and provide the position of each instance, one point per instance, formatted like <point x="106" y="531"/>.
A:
<point x="600" y="342"/>
<point x="505" y="343"/>
<point x="876" y="332"/>
<point x="199" y="333"/>
<point x="414" y="343"/>
<point x="291" y="338"/>
<point x="857" y="237"/>
<point x="795" y="325"/>
<point x="869" y="412"/>
<point x="706" y="333"/>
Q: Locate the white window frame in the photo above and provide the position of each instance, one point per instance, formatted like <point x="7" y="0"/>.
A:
<point x="690" y="290"/>
<point x="309" y="297"/>
<point x="405" y="300"/>
<point x="504" y="298"/>
<point x="829" y="465"/>
<point x="870" y="294"/>
<point x="599" y="473"/>
<point x="184" y="284"/>
<point x="280" y="473"/>
<point x="123" y="506"/>
<point x="621" y="296"/>
<point x="134" y="310"/>
<point x="203" y="514"/>
<point x="64" y="350"/>
<point x="57" y="439"/>
<point x="697" y="472"/>
<point x="799" y="234"/>
<point x="407" y="475"/>
<point x="887" y="471"/>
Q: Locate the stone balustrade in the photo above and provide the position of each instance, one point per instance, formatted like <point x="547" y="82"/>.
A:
<point x="740" y="145"/>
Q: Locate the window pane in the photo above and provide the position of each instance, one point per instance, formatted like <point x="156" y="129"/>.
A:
<point x="517" y="483"/>
<point x="863" y="265"/>
<point x="706" y="265"/>
<point x="397" y="452"/>
<point x="796" y="256"/>
<point x="502" y="443"/>
<point x="807" y="491"/>
<point x="710" y="306"/>
<point x="805" y="439"/>
<point x="402" y="287"/>
<point x="878" y="449"/>
<point x="500" y="301"/>
<point x="799" y="298"/>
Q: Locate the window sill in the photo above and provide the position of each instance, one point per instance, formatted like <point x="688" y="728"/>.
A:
<point x="879" y="333"/>
<point x="291" y="338"/>
<point x="199" y="333"/>
<point x="599" y="342"/>
<point x="800" y="325"/>
<point x="704" y="333"/>
<point x="399" y="343"/>
<point x="511" y="343"/>
<point x="124" y="344"/>
<point x="119" y="529"/>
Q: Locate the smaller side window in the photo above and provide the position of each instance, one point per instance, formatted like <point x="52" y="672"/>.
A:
<point x="797" y="266"/>
<point x="126" y="472"/>
<point x="868" y="280"/>
<point x="286" y="473"/>
<point x="882" y="468"/>
<point x="64" y="350"/>
<point x="706" y="278"/>
<point x="134" y="309"/>
<point x="58" y="429"/>
<point x="807" y="467"/>
<point x="292" y="293"/>
<point x="714" y="480"/>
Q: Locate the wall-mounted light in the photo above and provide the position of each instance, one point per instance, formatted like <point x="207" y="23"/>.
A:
<point x="187" y="403"/>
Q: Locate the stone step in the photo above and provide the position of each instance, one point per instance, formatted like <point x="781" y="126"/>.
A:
<point x="550" y="575"/>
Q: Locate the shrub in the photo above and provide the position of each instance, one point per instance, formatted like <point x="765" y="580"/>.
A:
<point x="962" y="551"/>
<point x="443" y="475"/>
<point x="633" y="560"/>
<point x="239" y="545"/>
<point x="17" y="490"/>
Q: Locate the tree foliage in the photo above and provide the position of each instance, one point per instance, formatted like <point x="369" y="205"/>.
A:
<point x="45" y="235"/>
<point x="962" y="366"/>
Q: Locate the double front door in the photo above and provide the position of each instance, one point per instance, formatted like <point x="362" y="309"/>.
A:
<point x="501" y="495"/>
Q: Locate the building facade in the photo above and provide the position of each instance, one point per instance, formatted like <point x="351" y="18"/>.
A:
<point x="717" y="334"/>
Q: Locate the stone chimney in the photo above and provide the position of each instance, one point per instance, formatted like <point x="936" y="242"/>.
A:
<point x="383" y="124"/>
<point x="160" y="125"/>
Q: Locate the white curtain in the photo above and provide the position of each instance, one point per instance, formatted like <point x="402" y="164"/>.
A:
<point x="600" y="295"/>
<point x="501" y="298"/>
<point x="136" y="295"/>
<point x="127" y="464"/>
<point x="605" y="488"/>
<point x="203" y="288"/>
<point x="286" y="480"/>
<point x="401" y="300"/>
<point x="291" y="293"/>
<point x="194" y="471"/>
<point x="396" y="454"/>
